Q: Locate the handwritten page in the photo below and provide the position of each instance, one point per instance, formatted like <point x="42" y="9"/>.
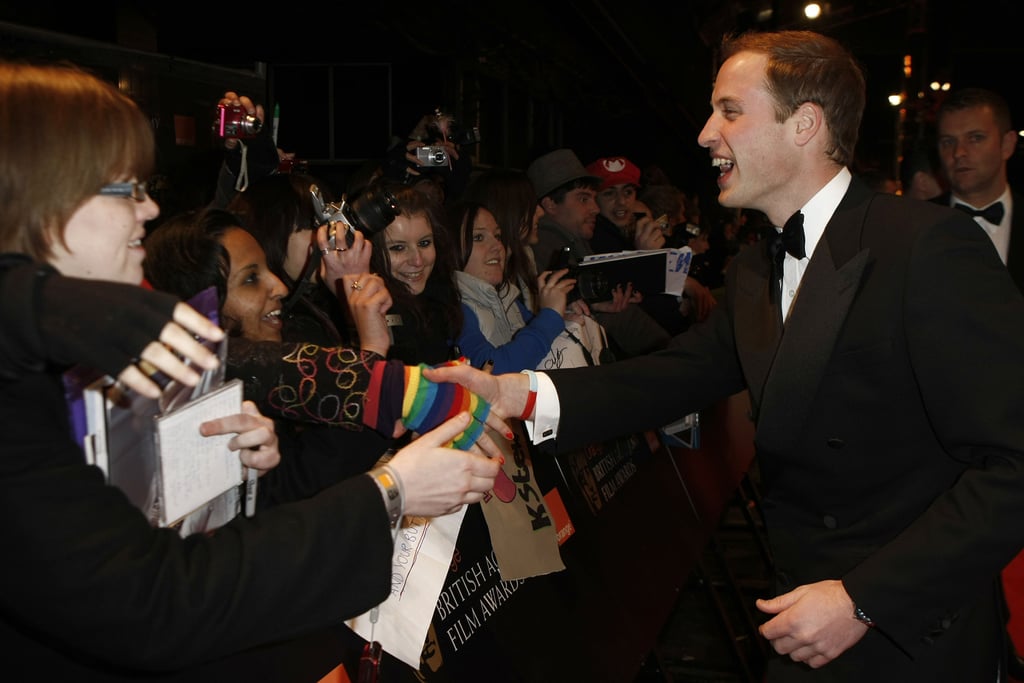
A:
<point x="196" y="468"/>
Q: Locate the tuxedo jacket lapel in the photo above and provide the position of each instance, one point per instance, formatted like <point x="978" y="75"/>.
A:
<point x="826" y="293"/>
<point x="758" y="323"/>
<point x="1015" y="255"/>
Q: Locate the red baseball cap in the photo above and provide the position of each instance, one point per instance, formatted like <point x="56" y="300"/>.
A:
<point x="615" y="171"/>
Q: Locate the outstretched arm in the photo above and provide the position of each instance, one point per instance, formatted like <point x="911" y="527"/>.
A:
<point x="47" y="318"/>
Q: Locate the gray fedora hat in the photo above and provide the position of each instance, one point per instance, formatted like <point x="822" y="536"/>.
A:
<point x="555" y="169"/>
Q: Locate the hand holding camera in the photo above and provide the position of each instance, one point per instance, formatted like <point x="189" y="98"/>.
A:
<point x="591" y="285"/>
<point x="236" y="117"/>
<point x="337" y="262"/>
<point x="439" y="154"/>
<point x="553" y="289"/>
<point x="650" y="233"/>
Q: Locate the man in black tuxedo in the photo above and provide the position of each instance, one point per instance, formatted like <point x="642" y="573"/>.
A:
<point x="976" y="139"/>
<point x="883" y="366"/>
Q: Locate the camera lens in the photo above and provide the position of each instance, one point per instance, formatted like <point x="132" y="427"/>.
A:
<point x="372" y="211"/>
<point x="593" y="285"/>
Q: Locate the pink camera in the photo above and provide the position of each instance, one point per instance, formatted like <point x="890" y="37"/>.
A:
<point x="235" y="122"/>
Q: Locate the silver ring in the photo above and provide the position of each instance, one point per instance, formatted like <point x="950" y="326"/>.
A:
<point x="326" y="251"/>
<point x="341" y="249"/>
<point x="356" y="286"/>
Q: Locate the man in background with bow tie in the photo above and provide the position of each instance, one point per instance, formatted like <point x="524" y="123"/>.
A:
<point x="882" y="355"/>
<point x="976" y="138"/>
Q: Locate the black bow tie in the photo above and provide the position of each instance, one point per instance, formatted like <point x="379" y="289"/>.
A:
<point x="789" y="241"/>
<point x="993" y="213"/>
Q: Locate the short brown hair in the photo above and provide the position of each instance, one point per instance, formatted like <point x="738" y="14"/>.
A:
<point x="969" y="98"/>
<point x="64" y="134"/>
<point x="804" y="66"/>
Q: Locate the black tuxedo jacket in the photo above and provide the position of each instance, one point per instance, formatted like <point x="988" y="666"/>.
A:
<point x="1015" y="253"/>
<point x="889" y="426"/>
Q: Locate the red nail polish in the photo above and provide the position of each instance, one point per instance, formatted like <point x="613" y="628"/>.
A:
<point x="510" y="436"/>
<point x="501" y="459"/>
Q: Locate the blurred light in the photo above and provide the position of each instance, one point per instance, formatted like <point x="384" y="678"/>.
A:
<point x="935" y="85"/>
<point x="945" y="87"/>
<point x="896" y="100"/>
<point x="812" y="10"/>
<point x="907" y="66"/>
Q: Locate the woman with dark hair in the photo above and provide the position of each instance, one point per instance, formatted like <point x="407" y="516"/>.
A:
<point x="414" y="256"/>
<point x="497" y="325"/>
<point x="278" y="211"/>
<point x="509" y="196"/>
<point x="200" y="249"/>
<point x="293" y="380"/>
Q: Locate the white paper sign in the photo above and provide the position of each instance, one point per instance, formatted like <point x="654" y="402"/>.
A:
<point x="422" y="557"/>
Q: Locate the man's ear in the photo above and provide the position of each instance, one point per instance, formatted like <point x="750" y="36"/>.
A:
<point x="1010" y="138"/>
<point x="548" y="204"/>
<point x="809" y="121"/>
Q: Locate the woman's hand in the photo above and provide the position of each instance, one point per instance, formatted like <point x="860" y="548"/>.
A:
<point x="343" y="259"/>
<point x="553" y="289"/>
<point x="507" y="393"/>
<point x="368" y="300"/>
<point x="621" y="298"/>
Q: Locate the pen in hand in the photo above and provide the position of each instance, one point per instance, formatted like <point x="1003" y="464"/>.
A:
<point x="251" y="480"/>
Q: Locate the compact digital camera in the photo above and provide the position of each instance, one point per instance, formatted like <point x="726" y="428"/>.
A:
<point x="234" y="122"/>
<point x="432" y="156"/>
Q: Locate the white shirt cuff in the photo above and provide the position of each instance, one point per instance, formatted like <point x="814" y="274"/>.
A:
<point x="547" y="410"/>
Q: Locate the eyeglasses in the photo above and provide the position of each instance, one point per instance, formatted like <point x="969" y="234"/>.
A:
<point x="135" y="190"/>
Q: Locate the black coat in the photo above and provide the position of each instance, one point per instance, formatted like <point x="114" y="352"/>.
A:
<point x="889" y="427"/>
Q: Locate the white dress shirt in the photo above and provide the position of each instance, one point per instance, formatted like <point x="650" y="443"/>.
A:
<point x="999" y="234"/>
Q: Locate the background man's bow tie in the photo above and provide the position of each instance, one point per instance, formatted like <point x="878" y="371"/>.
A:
<point x="993" y="213"/>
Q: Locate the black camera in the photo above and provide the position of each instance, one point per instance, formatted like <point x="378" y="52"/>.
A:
<point x="234" y="122"/>
<point x="591" y="283"/>
<point x="432" y="156"/>
<point x="445" y="127"/>
<point x="369" y="213"/>
<point x="468" y="135"/>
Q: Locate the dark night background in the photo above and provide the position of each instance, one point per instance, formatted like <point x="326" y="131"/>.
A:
<point x="602" y="78"/>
